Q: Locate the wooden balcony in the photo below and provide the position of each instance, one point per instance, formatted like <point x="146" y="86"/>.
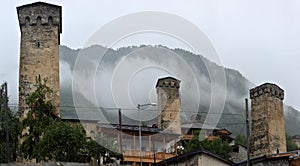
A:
<point x="211" y="138"/>
<point x="187" y="137"/>
<point x="147" y="157"/>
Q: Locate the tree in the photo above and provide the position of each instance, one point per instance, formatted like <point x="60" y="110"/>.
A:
<point x="241" y="140"/>
<point x="13" y="124"/>
<point x="47" y="137"/>
<point x="111" y="145"/>
<point x="62" y="142"/>
<point x="216" y="146"/>
<point x="67" y="142"/>
<point x="290" y="144"/>
<point x="40" y="115"/>
<point x="93" y="148"/>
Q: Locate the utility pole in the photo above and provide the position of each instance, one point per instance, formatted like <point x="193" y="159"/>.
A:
<point x="140" y="134"/>
<point x="1" y="106"/>
<point x="5" y="105"/>
<point x="121" y="138"/>
<point x="154" y="159"/>
<point x="140" y="126"/>
<point x="248" y="133"/>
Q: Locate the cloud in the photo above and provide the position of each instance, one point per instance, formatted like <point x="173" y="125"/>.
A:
<point x="130" y="77"/>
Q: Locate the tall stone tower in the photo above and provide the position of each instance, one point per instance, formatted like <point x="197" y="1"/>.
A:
<point x="268" y="131"/>
<point x="40" y="25"/>
<point x="169" y="104"/>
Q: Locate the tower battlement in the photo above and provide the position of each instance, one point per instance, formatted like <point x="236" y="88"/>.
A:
<point x="267" y="88"/>
<point x="40" y="13"/>
<point x="168" y="82"/>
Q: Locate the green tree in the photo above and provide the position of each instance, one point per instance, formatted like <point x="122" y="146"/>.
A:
<point x="71" y="144"/>
<point x="14" y="125"/>
<point x="241" y="140"/>
<point x="13" y="128"/>
<point x="40" y="115"/>
<point x="290" y="144"/>
<point x="62" y="142"/>
<point x="110" y="145"/>
<point x="93" y="148"/>
<point x="216" y="146"/>
<point x="47" y="137"/>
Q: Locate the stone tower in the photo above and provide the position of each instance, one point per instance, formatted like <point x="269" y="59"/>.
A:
<point x="268" y="131"/>
<point x="40" y="25"/>
<point x="169" y="104"/>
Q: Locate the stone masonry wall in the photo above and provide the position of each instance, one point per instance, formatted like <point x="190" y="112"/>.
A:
<point x="169" y="104"/>
<point x="40" y="25"/>
<point x="283" y="162"/>
<point x="268" y="131"/>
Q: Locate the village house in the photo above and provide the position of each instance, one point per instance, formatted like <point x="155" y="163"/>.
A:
<point x="200" y="158"/>
<point x="280" y="159"/>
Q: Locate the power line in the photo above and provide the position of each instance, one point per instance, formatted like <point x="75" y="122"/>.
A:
<point x="128" y="109"/>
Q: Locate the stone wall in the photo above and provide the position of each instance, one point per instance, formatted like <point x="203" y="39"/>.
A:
<point x="200" y="159"/>
<point x="239" y="154"/>
<point x="283" y="162"/>
<point x="169" y="104"/>
<point x="296" y="140"/>
<point x="49" y="164"/>
<point x="40" y="25"/>
<point x="268" y="131"/>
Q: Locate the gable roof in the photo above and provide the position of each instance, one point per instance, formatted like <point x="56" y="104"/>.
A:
<point x="269" y="157"/>
<point x="190" y="155"/>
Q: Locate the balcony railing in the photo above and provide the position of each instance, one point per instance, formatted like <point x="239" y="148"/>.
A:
<point x="147" y="157"/>
<point x="187" y="137"/>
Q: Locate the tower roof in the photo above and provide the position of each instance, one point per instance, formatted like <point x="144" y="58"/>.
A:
<point x="168" y="80"/>
<point x="37" y="4"/>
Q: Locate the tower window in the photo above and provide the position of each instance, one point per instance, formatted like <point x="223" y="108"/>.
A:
<point x="27" y="21"/>
<point x="38" y="20"/>
<point x="50" y="20"/>
<point x="38" y="44"/>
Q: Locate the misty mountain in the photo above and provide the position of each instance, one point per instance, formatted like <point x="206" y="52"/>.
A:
<point x="98" y="80"/>
<point x="292" y="119"/>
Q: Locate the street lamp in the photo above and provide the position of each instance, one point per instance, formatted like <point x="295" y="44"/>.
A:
<point x="140" y="131"/>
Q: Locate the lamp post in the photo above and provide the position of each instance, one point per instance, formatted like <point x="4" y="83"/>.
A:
<point x="121" y="137"/>
<point x="140" y="130"/>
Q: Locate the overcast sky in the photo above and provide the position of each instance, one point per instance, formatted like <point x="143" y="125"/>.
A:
<point x="261" y="39"/>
